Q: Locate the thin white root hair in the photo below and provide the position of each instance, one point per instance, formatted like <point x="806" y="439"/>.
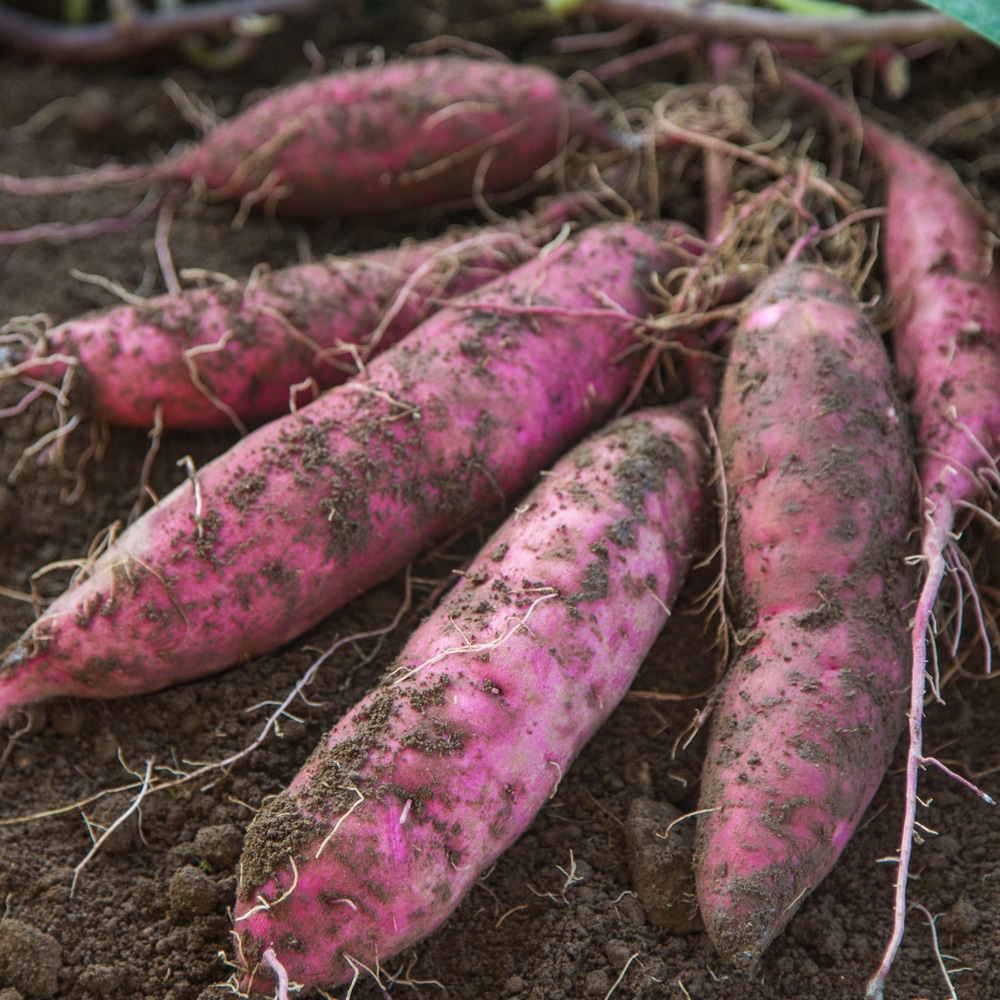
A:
<point x="155" y="438"/>
<point x="358" y="966"/>
<point x="404" y="978"/>
<point x="23" y="403"/>
<point x="199" y="115"/>
<point x="571" y="876"/>
<point x="112" y="287"/>
<point x="161" y="241"/>
<point x="340" y="819"/>
<point x="196" y="380"/>
<point x="989" y="462"/>
<point x="82" y="568"/>
<point x="621" y="975"/>
<point x="308" y="384"/>
<point x="16" y="595"/>
<point x="448" y="255"/>
<point x="100" y="435"/>
<point x="12" y="740"/>
<point x="187" y="463"/>
<point x="320" y="353"/>
<point x="54" y="437"/>
<point x="136" y="802"/>
<point x="945" y="971"/>
<point x="716" y="594"/>
<point x="204" y="768"/>
<point x="271" y="724"/>
<point x="264" y="905"/>
<point x="960" y="566"/>
<point x="203" y="278"/>
<point x="512" y="626"/>
<point x="979" y="512"/>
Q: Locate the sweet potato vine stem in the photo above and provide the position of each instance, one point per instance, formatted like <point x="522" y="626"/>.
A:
<point x="717" y="19"/>
<point x="145" y="30"/>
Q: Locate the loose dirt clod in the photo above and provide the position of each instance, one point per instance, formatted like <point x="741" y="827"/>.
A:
<point x="30" y="960"/>
<point x="660" y="853"/>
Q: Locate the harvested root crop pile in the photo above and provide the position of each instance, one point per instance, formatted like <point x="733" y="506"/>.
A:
<point x="365" y="700"/>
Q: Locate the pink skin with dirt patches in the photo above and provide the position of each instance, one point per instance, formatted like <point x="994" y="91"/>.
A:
<point x="406" y="135"/>
<point x="938" y="252"/>
<point x="422" y="785"/>
<point x="222" y="356"/>
<point x="818" y="472"/>
<point x="313" y="509"/>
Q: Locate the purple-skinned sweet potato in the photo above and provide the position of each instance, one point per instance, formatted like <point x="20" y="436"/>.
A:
<point x="423" y="784"/>
<point x="411" y="134"/>
<point x="227" y="355"/>
<point x="313" y="509"/>
<point x="938" y="252"/>
<point x="818" y="467"/>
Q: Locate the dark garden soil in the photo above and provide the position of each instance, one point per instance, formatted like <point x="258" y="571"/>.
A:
<point x="149" y="914"/>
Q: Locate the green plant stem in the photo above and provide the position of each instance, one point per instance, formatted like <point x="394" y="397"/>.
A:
<point x="718" y="19"/>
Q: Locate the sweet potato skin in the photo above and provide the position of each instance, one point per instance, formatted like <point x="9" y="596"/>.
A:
<point x="409" y="134"/>
<point x="312" y="509"/>
<point x="938" y="255"/>
<point x="213" y="357"/>
<point x="939" y="260"/>
<point x="426" y="781"/>
<point x="819" y="473"/>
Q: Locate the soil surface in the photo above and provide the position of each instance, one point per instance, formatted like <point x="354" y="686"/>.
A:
<point x="571" y="910"/>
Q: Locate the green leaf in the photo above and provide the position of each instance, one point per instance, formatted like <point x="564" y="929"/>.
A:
<point x="818" y="8"/>
<point x="983" y="16"/>
<point x="563" y="7"/>
<point x="76" y="11"/>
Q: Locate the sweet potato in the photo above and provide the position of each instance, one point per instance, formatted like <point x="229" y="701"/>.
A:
<point x="818" y="468"/>
<point x="316" y="507"/>
<point x="405" y="135"/>
<point x="424" y="783"/>
<point x="231" y="354"/>
<point x="937" y="253"/>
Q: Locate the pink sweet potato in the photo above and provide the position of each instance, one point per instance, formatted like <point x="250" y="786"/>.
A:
<point x="938" y="252"/>
<point x="419" y="788"/>
<point x="211" y="357"/>
<point x="938" y="257"/>
<point x="316" y="507"/>
<point x="818" y="470"/>
<point x="409" y="134"/>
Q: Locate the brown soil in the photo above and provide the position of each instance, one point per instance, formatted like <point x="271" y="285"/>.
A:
<point x="148" y="917"/>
